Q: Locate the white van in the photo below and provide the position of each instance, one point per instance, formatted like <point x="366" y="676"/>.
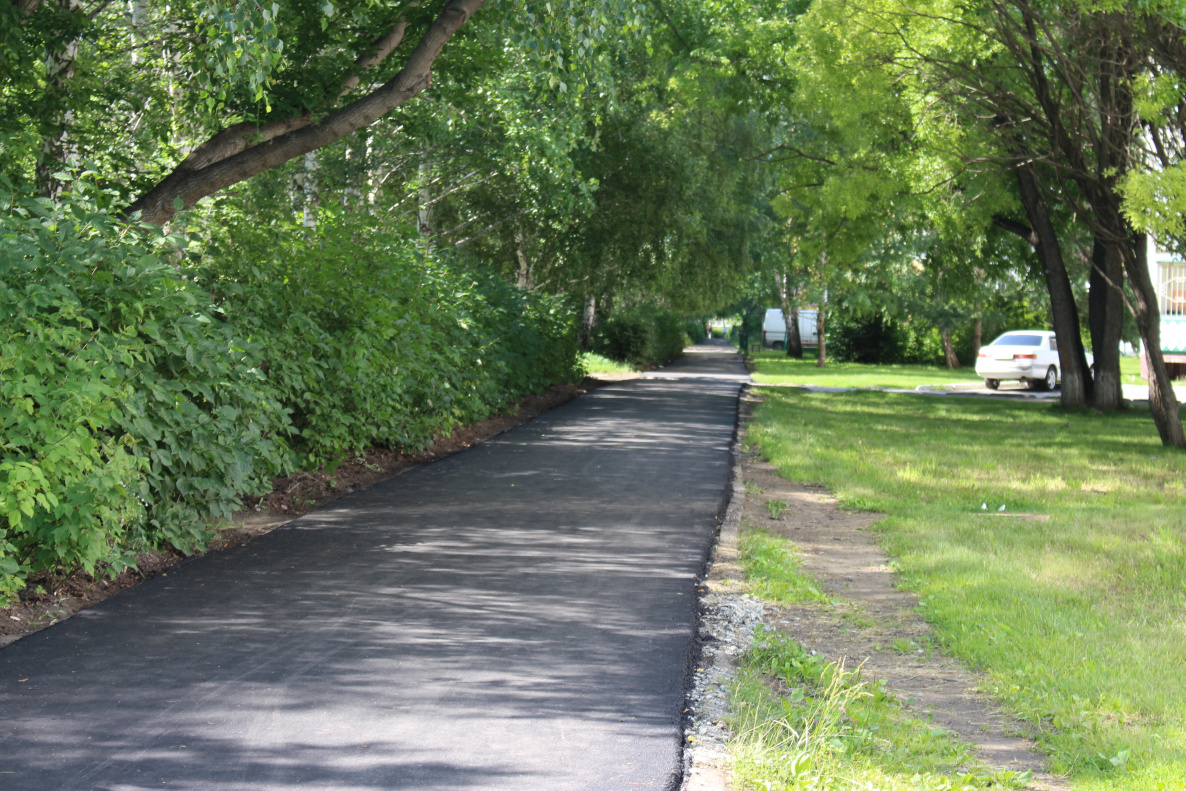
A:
<point x="774" y="328"/>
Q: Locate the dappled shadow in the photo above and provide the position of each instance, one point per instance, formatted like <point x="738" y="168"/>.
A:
<point x="519" y="615"/>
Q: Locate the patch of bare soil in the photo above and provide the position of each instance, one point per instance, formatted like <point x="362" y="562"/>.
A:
<point x="872" y="622"/>
<point x="49" y="599"/>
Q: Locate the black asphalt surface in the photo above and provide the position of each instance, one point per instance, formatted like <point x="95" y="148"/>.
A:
<point x="517" y="616"/>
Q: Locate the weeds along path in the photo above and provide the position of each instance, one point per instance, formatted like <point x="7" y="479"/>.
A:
<point x="868" y="621"/>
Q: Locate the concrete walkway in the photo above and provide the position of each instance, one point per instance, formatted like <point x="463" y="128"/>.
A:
<point x="517" y="616"/>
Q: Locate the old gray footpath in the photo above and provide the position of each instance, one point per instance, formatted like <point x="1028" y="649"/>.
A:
<point x="520" y="615"/>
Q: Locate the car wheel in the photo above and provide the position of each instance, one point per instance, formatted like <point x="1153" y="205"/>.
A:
<point x="992" y="384"/>
<point x="1051" y="380"/>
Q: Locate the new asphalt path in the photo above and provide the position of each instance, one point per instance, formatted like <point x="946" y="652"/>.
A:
<point x="519" y="616"/>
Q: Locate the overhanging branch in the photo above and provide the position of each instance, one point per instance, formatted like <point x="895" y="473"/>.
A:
<point x="243" y="151"/>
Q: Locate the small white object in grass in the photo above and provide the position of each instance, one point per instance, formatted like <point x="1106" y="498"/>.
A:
<point x="984" y="506"/>
<point x="1002" y="508"/>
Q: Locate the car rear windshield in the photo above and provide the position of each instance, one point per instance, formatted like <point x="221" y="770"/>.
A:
<point x="1018" y="339"/>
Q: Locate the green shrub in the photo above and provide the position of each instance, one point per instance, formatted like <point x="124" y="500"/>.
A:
<point x="643" y="335"/>
<point x="129" y="416"/>
<point x="873" y="339"/>
<point x="696" y="330"/>
<point x="922" y="344"/>
<point x="141" y="399"/>
<point x="369" y="343"/>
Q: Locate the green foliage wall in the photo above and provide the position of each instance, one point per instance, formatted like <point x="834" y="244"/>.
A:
<point x="371" y="343"/>
<point x="129" y="416"/>
<point x="643" y="335"/>
<point x="141" y="395"/>
<point x="872" y="339"/>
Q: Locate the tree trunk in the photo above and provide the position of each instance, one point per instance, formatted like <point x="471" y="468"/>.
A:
<point x="588" y="323"/>
<point x="1076" y="383"/>
<point x="523" y="278"/>
<point x="424" y="210"/>
<point x="949" y="355"/>
<point x="57" y="147"/>
<point x="1163" y="403"/>
<point x="356" y="162"/>
<point x="794" y="339"/>
<point x="312" y="198"/>
<point x="139" y="9"/>
<point x="821" y="321"/>
<point x="977" y="334"/>
<point x="239" y="157"/>
<point x="1105" y="315"/>
<point x="789" y="297"/>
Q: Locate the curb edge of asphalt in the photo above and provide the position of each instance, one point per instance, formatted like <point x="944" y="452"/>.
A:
<point x="692" y="778"/>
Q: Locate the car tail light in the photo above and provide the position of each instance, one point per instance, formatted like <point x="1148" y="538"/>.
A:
<point x="1025" y="357"/>
<point x="984" y="355"/>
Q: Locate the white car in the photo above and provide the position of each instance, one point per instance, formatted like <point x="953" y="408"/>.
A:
<point x="1029" y="356"/>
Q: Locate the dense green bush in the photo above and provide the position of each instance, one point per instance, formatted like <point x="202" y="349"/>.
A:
<point x="880" y="340"/>
<point x="922" y="344"/>
<point x="872" y="339"/>
<point x="696" y="330"/>
<point x="143" y="393"/>
<point x="370" y="343"/>
<point x="643" y="335"/>
<point x="129" y="417"/>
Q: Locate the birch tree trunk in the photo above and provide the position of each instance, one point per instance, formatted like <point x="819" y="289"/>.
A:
<point x="821" y="325"/>
<point x="58" y="150"/>
<point x="588" y="323"/>
<point x="312" y="198"/>
<point x="523" y="276"/>
<point x="424" y="210"/>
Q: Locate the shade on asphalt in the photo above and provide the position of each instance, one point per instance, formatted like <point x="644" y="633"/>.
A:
<point x="518" y="616"/>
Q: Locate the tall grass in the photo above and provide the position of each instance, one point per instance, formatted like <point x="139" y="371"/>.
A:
<point x="772" y="569"/>
<point x="803" y="723"/>
<point x="1076" y="614"/>
<point x="594" y="364"/>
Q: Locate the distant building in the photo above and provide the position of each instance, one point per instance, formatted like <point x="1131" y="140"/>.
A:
<point x="1168" y="271"/>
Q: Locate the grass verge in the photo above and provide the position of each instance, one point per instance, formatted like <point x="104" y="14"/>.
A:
<point x="596" y="364"/>
<point x="803" y="723"/>
<point x="1072" y="600"/>
<point x="772" y="569"/>
<point x="777" y="368"/>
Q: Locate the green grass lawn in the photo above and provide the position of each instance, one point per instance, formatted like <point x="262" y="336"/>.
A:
<point x="1130" y="371"/>
<point x="777" y="368"/>
<point x="596" y="364"/>
<point x="1078" y="619"/>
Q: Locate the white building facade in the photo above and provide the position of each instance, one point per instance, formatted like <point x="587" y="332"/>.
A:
<point x="1168" y="271"/>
